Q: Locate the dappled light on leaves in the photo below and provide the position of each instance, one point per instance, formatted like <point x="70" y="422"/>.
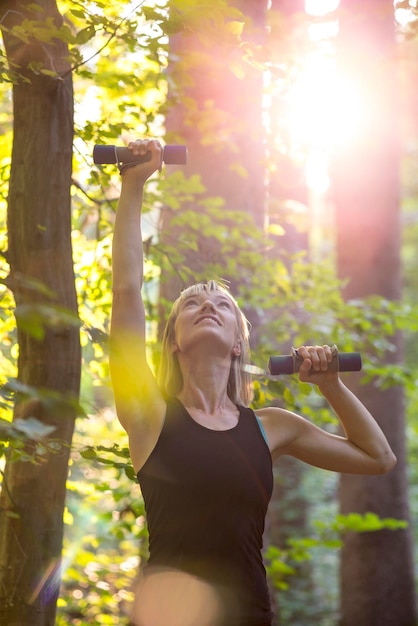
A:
<point x="105" y="536"/>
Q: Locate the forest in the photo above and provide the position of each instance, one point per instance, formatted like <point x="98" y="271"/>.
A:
<point x="300" y="192"/>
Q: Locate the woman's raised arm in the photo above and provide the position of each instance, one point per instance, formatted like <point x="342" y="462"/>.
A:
<point x="139" y="403"/>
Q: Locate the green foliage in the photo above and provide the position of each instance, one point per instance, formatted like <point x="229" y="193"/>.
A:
<point x="28" y="440"/>
<point x="106" y="535"/>
<point x="281" y="563"/>
<point x="369" y="522"/>
<point x="115" y="453"/>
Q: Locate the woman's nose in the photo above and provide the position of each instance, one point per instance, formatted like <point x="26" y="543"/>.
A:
<point x="208" y="305"/>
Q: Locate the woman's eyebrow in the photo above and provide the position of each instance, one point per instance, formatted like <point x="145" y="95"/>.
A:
<point x="188" y="299"/>
<point x="224" y="299"/>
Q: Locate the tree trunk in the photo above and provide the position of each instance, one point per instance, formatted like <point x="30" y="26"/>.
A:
<point x="39" y="225"/>
<point x="223" y="127"/>
<point x="377" y="577"/>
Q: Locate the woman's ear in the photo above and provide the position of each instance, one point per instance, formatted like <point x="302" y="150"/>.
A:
<point x="174" y="347"/>
<point x="236" y="350"/>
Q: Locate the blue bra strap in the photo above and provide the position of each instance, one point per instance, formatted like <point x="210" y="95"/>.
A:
<point x="263" y="432"/>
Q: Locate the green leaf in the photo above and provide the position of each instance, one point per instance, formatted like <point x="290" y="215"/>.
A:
<point x="369" y="522"/>
<point x="78" y="13"/>
<point x="130" y="472"/>
<point x="84" y="35"/>
<point x="88" y="453"/>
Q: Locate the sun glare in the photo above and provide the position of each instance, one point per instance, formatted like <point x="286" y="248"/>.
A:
<point x="316" y="170"/>
<point x="319" y="8"/>
<point x="324" y="108"/>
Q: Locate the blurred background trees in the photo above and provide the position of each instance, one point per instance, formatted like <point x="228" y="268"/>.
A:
<point x="300" y="122"/>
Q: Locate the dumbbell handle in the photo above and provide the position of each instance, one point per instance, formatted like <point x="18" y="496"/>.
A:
<point x="172" y="155"/>
<point x="341" y="362"/>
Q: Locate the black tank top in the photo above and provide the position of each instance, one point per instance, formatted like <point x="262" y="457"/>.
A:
<point x="206" y="494"/>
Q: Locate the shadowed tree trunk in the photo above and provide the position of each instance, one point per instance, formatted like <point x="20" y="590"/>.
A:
<point x="377" y="578"/>
<point x="39" y="226"/>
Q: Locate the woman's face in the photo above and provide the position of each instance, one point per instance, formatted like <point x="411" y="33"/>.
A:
<point x="209" y="318"/>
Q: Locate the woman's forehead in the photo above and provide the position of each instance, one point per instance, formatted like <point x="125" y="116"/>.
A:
<point x="203" y="291"/>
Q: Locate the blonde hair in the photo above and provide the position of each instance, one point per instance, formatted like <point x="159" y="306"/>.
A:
<point x="170" y="379"/>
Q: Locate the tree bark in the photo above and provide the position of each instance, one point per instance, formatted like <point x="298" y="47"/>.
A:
<point x="39" y="226"/>
<point x="377" y="577"/>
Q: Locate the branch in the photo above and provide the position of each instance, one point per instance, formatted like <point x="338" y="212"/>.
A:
<point x="79" y="186"/>
<point x="105" y="45"/>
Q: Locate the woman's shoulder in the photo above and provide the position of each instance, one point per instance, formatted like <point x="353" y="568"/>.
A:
<point x="280" y="425"/>
<point x="272" y="412"/>
<point x="278" y="417"/>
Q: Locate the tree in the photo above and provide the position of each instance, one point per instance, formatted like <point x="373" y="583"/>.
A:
<point x="42" y="281"/>
<point x="226" y="149"/>
<point x="368" y="248"/>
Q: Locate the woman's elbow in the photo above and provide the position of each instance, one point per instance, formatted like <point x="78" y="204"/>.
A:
<point x="386" y="463"/>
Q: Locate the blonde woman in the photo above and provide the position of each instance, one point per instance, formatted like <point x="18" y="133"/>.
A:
<point x="202" y="457"/>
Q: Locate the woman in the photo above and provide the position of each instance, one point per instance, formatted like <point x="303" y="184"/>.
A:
<point x="203" y="459"/>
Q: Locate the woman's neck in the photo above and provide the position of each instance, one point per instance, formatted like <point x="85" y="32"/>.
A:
<point x="205" y="387"/>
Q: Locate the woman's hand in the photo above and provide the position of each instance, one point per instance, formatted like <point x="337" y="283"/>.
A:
<point x="140" y="172"/>
<point x="315" y="367"/>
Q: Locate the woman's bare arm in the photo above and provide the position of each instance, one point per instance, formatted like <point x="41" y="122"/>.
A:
<point x="139" y="403"/>
<point x="363" y="449"/>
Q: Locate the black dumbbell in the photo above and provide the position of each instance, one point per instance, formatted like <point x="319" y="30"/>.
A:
<point x="172" y="155"/>
<point x="341" y="362"/>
